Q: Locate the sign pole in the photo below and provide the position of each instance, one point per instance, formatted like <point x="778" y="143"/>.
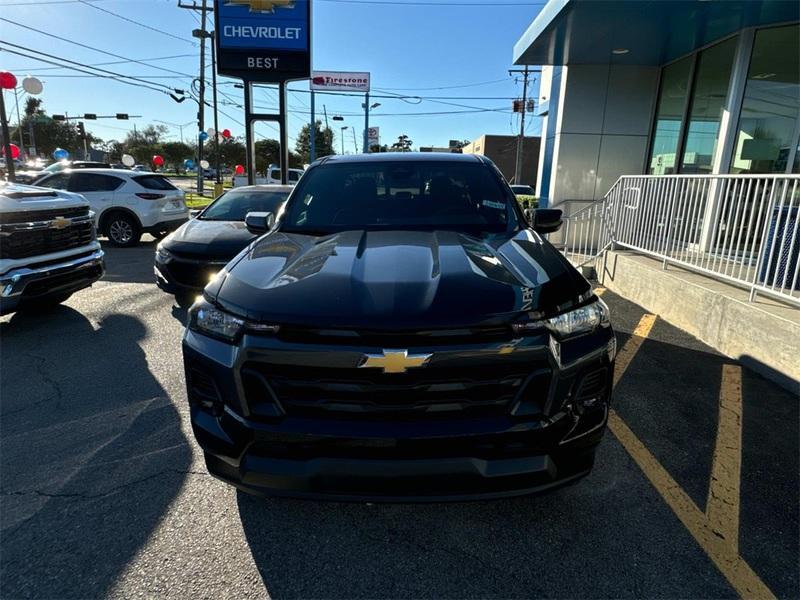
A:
<point x="284" y="135"/>
<point x="366" y="123"/>
<point x="312" y="131"/>
<point x="250" y="154"/>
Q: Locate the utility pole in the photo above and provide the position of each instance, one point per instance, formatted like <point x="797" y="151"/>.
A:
<point x="19" y="123"/>
<point x="521" y="139"/>
<point x="325" y="110"/>
<point x="6" y="139"/>
<point x="312" y="132"/>
<point x="218" y="187"/>
<point x="201" y="121"/>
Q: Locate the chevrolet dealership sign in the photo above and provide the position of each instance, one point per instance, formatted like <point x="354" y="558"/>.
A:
<point x="339" y="81"/>
<point x="263" y="40"/>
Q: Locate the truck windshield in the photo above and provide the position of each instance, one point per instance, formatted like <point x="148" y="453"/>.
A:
<point x="400" y="195"/>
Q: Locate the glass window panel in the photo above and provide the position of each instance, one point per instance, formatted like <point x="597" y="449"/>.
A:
<point x="712" y="78"/>
<point x="771" y="104"/>
<point x="671" y="103"/>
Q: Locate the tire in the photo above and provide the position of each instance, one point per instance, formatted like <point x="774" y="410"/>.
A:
<point x="43" y="304"/>
<point x="122" y="230"/>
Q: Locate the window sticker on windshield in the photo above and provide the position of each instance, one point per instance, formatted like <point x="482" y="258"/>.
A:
<point x="492" y="204"/>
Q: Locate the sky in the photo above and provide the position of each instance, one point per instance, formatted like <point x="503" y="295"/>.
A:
<point x="443" y="51"/>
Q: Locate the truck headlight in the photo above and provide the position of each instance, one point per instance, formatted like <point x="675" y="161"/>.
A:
<point x="580" y="320"/>
<point x="162" y="253"/>
<point x="209" y="320"/>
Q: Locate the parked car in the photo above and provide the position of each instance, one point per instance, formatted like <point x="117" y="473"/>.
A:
<point x="186" y="259"/>
<point x="523" y="190"/>
<point x="271" y="177"/>
<point x="399" y="332"/>
<point x="48" y="248"/>
<point x="126" y="203"/>
<point x="209" y="173"/>
<point x="61" y="165"/>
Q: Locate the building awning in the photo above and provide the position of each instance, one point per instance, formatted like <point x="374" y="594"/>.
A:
<point x="642" y="32"/>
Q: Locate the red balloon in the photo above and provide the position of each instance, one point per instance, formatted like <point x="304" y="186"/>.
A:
<point x="7" y="80"/>
<point x="14" y="151"/>
<point x="158" y="160"/>
<point x="226" y="133"/>
<point x="239" y="169"/>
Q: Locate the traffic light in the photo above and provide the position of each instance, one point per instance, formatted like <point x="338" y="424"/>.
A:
<point x="122" y="116"/>
<point x="59" y="118"/>
<point x="81" y="130"/>
<point x="90" y="116"/>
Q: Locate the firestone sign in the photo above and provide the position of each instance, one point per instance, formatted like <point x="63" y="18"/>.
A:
<point x="263" y="40"/>
<point x="339" y="81"/>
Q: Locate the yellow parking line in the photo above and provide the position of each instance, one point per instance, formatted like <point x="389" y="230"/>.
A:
<point x="599" y="290"/>
<point x="722" y="507"/>
<point x="718" y="547"/>
<point x="631" y="347"/>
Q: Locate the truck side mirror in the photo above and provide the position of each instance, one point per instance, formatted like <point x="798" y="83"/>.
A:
<point x="259" y="222"/>
<point x="547" y="220"/>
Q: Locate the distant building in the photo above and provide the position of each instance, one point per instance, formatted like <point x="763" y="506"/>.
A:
<point x="439" y="149"/>
<point x="502" y="150"/>
<point x="663" y="88"/>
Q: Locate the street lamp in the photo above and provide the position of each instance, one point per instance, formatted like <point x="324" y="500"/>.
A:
<point x="341" y="135"/>
<point x="178" y="125"/>
<point x="367" y="107"/>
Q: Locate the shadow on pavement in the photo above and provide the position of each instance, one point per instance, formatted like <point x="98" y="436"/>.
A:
<point x="669" y="397"/>
<point x="610" y="535"/>
<point x="91" y="453"/>
<point x="130" y="265"/>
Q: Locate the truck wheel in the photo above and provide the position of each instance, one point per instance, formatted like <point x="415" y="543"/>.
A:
<point x="122" y="230"/>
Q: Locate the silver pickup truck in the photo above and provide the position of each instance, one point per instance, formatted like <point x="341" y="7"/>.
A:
<point x="48" y="247"/>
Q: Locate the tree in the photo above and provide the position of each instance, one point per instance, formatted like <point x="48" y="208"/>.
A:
<point x="175" y="153"/>
<point x="47" y="133"/>
<point x="323" y="140"/>
<point x="268" y="152"/>
<point x="376" y="148"/>
<point x="403" y="144"/>
<point x="145" y="143"/>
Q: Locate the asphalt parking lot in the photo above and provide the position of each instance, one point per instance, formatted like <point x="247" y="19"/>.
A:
<point x="695" y="492"/>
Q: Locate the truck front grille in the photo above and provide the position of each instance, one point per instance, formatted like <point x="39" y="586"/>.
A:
<point x="364" y="393"/>
<point x="24" y="243"/>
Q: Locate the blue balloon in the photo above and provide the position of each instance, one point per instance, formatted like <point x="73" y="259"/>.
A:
<point x="60" y="154"/>
<point x="203" y="136"/>
<point x="188" y="164"/>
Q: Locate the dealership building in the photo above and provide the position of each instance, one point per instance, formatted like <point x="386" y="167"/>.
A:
<point x="663" y="87"/>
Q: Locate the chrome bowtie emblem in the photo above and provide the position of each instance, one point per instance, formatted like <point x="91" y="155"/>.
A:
<point x="394" y="361"/>
<point x="60" y="223"/>
<point x="267" y="6"/>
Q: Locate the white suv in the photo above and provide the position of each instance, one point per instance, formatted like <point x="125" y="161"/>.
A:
<point x="48" y="248"/>
<point x="127" y="203"/>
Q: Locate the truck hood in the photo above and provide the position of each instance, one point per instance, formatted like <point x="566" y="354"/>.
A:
<point x="209" y="239"/>
<point x="398" y="280"/>
<point x="15" y="197"/>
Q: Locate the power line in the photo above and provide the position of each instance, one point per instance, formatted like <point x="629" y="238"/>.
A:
<point x="138" y="23"/>
<point x="110" y="74"/>
<point x="447" y="87"/>
<point x="110" y="62"/>
<point x="106" y="52"/>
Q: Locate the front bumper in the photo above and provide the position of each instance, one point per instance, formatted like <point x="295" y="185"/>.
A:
<point x="179" y="275"/>
<point x="167" y="226"/>
<point x="521" y="450"/>
<point x="49" y="279"/>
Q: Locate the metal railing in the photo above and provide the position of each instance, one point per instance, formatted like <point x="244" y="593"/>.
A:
<point x="743" y="229"/>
